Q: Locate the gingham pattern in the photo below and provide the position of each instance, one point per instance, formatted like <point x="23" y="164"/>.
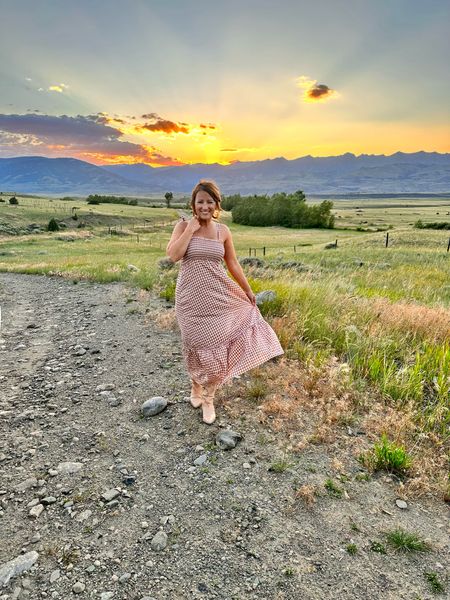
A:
<point x="223" y="334"/>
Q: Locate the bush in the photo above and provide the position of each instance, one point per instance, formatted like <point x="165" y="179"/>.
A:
<point x="52" y="225"/>
<point x="436" y="225"/>
<point x="14" y="201"/>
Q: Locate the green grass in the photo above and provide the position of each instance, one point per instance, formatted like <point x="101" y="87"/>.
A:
<point x="436" y="586"/>
<point x="329" y="302"/>
<point x="352" y="549"/>
<point x="280" y="466"/>
<point x="406" y="542"/>
<point x="378" y="547"/>
<point x="333" y="490"/>
<point x="387" y="456"/>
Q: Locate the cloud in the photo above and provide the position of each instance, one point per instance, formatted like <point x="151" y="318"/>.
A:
<point x="87" y="137"/>
<point x="164" y="125"/>
<point x="315" y="92"/>
<point x="58" y="88"/>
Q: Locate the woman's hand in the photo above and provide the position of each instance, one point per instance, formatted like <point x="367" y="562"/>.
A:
<point x="193" y="224"/>
<point x="251" y="296"/>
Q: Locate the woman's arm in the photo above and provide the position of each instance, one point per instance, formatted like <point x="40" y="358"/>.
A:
<point x="181" y="236"/>
<point x="235" y="268"/>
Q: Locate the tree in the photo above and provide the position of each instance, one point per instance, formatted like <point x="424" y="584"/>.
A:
<point x="168" y="196"/>
<point x="52" y="225"/>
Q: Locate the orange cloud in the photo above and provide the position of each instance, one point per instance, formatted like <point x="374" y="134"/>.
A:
<point x="164" y="125"/>
<point x="315" y="92"/>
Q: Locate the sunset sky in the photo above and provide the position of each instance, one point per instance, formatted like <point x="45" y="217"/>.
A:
<point x="186" y="81"/>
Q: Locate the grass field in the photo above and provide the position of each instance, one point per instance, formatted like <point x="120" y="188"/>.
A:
<point x="381" y="311"/>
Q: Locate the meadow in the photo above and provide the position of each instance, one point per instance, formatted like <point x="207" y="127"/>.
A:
<point x="381" y="312"/>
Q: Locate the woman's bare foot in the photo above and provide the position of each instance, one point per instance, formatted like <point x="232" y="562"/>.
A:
<point x="196" y="395"/>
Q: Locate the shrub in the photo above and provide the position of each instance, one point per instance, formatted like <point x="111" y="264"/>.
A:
<point x="14" y="201"/>
<point x="52" y="225"/>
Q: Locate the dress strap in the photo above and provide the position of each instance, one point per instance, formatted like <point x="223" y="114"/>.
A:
<point x="218" y="231"/>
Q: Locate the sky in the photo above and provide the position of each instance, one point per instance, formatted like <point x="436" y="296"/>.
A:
<point x="171" y="82"/>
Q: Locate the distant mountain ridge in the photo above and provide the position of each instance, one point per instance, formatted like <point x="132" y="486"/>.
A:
<point x="419" y="172"/>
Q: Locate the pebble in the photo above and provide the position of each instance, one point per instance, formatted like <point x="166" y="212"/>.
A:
<point x="55" y="575"/>
<point x="68" y="468"/>
<point x="159" y="541"/>
<point x="105" y="387"/>
<point x="201" y="460"/>
<point x="106" y="595"/>
<point x="110" y="495"/>
<point x="48" y="500"/>
<point x="78" y="588"/>
<point x="401" y="503"/>
<point x="36" y="511"/>
<point x="83" y="515"/>
<point x="26" y="485"/>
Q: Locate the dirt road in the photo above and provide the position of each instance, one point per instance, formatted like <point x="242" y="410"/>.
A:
<point x="86" y="483"/>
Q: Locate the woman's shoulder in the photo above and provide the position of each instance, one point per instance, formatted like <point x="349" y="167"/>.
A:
<point x="225" y="231"/>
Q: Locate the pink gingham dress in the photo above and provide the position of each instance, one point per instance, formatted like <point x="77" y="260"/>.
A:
<point x="223" y="334"/>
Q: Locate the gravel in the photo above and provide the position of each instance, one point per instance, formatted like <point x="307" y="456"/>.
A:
<point x="98" y="501"/>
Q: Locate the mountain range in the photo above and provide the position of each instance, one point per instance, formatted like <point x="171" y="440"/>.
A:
<point x="419" y="172"/>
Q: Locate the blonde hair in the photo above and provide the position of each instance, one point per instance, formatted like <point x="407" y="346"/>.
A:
<point x="211" y="188"/>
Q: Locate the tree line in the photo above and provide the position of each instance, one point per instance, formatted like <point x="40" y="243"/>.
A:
<point x="285" y="210"/>
<point x="96" y="199"/>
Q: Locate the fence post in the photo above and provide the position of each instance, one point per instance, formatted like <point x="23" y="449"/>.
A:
<point x="387" y="239"/>
<point x="336" y="244"/>
<point x="137" y="238"/>
<point x="249" y="251"/>
<point x="295" y="249"/>
<point x="448" y="245"/>
<point x="264" y="250"/>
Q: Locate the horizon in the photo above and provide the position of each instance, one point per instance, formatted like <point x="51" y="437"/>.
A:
<point x="183" y="83"/>
<point x="224" y="165"/>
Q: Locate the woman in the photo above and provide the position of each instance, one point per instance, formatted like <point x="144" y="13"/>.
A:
<point x="222" y="330"/>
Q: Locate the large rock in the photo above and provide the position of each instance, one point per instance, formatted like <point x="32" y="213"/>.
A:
<point x="227" y="439"/>
<point x="265" y="296"/>
<point x="154" y="406"/>
<point x="17" y="566"/>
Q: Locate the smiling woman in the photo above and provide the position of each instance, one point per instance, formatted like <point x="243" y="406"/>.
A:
<point x="223" y="332"/>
